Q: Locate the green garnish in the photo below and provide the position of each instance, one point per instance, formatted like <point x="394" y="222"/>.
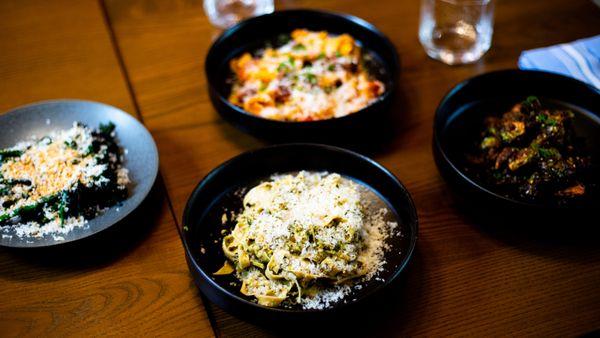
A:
<point x="299" y="47"/>
<point x="321" y="56"/>
<point x="72" y="144"/>
<point x="530" y="100"/>
<point x="282" y="66"/>
<point x="331" y="68"/>
<point x="61" y="208"/>
<point x="27" y="208"/>
<point x="282" y="39"/>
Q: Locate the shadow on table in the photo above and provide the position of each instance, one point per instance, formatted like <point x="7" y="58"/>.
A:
<point x="388" y="311"/>
<point x="537" y="233"/>
<point x="101" y="249"/>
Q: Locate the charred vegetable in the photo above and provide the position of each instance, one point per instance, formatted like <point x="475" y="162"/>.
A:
<point x="68" y="174"/>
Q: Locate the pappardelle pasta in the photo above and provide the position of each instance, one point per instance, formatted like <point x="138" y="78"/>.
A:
<point x="299" y="234"/>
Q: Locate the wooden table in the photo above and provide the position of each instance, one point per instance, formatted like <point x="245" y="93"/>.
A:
<point x="146" y="57"/>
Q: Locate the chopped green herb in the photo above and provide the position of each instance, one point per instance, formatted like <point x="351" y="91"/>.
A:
<point x="107" y="128"/>
<point x="321" y="56"/>
<point x="331" y="68"/>
<point x="27" y="208"/>
<point x="541" y="118"/>
<point x="282" y="39"/>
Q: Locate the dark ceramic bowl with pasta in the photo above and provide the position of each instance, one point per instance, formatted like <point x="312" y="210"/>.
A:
<point x="217" y="215"/>
<point x="522" y="145"/>
<point x="303" y="75"/>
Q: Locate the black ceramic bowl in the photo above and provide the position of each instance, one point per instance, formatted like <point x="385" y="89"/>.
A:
<point x="252" y="34"/>
<point x="219" y="192"/>
<point x="45" y="117"/>
<point x="459" y="118"/>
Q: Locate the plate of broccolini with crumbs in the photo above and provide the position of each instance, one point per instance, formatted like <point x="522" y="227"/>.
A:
<point x="70" y="169"/>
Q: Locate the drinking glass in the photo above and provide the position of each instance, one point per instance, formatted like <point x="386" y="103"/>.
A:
<point x="226" y="13"/>
<point x="456" y="31"/>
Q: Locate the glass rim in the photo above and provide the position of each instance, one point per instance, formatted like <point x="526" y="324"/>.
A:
<point x="466" y="2"/>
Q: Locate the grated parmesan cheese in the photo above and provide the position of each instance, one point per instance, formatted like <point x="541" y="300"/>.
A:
<point x="305" y="228"/>
<point x="46" y="169"/>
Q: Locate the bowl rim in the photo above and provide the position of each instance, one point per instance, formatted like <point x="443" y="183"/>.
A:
<point x="393" y="68"/>
<point x="121" y="215"/>
<point x="438" y="129"/>
<point x="413" y="224"/>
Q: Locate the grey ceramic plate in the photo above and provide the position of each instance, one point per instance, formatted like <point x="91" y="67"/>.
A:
<point x="141" y="156"/>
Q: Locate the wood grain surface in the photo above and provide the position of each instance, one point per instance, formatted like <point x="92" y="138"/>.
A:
<point x="147" y="56"/>
<point x="131" y="280"/>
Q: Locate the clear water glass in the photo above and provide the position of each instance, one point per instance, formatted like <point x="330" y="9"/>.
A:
<point x="226" y="13"/>
<point x="456" y="31"/>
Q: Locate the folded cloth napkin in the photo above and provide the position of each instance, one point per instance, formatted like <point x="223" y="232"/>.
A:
<point x="579" y="59"/>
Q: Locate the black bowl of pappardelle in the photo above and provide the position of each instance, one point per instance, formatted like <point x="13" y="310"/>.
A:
<point x="525" y="142"/>
<point x="296" y="230"/>
<point x="70" y="169"/>
<point x="302" y="74"/>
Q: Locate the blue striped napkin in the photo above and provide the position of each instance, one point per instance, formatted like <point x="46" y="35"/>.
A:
<point x="579" y="59"/>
